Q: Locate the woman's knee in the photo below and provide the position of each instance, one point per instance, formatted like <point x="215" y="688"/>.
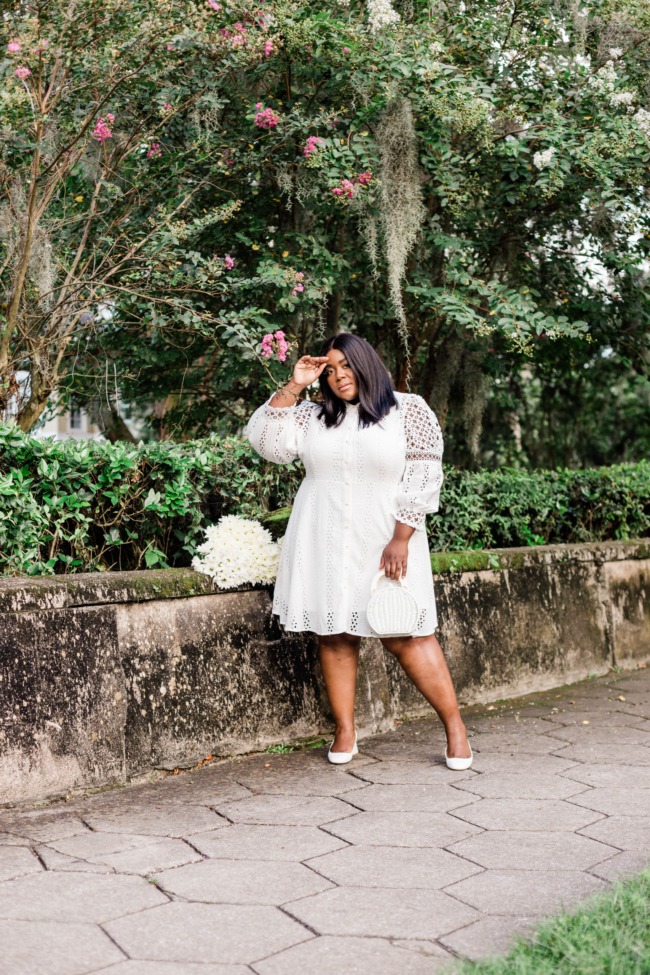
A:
<point x="340" y="641"/>
<point x="396" y="645"/>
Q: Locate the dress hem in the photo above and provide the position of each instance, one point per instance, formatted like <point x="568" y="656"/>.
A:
<point x="364" y="635"/>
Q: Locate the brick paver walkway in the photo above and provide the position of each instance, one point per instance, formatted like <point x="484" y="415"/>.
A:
<point x="390" y="866"/>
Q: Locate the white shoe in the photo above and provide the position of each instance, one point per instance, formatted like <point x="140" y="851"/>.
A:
<point x="460" y="764"/>
<point x="342" y="758"/>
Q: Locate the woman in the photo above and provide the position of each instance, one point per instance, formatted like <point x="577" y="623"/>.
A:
<point x="374" y="469"/>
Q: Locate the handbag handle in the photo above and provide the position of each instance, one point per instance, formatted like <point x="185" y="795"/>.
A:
<point x="382" y="572"/>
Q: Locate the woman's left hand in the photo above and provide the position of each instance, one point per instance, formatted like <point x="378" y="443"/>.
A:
<point x="394" y="559"/>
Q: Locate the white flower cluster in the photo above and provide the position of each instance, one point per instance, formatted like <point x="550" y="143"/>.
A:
<point x="605" y="79"/>
<point x="621" y="98"/>
<point x="238" y="550"/>
<point x="542" y="159"/>
<point x="381" y="14"/>
<point x="436" y="48"/>
<point x="616" y="52"/>
<point x="642" y="119"/>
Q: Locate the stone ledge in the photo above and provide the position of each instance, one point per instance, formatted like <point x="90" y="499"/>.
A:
<point x="482" y="560"/>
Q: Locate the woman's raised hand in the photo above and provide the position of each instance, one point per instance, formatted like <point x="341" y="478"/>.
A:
<point x="308" y="369"/>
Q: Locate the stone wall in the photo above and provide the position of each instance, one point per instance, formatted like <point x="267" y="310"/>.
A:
<point x="104" y="677"/>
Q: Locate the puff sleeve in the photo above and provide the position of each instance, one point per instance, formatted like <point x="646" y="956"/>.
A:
<point x="277" y="434"/>
<point x="419" y="490"/>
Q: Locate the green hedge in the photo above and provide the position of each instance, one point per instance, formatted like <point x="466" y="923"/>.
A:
<point x="87" y="506"/>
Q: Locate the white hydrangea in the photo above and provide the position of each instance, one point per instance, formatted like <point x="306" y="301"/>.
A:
<point x="642" y="119"/>
<point x="605" y="79"/>
<point x="381" y="14"/>
<point x="542" y="159"/>
<point x="621" y="98"/>
<point x="238" y="550"/>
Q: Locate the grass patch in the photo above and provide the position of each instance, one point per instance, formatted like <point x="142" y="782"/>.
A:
<point x="608" y="935"/>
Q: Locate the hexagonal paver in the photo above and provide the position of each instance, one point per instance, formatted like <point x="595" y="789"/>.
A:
<point x="579" y="734"/>
<point x="54" y="860"/>
<point x="274" y="810"/>
<point x="622" y="865"/>
<point x="242" y="882"/>
<point x="128" y="852"/>
<point x="512" y="724"/>
<point x="78" y="896"/>
<point x="44" y="830"/>
<point x="525" y="892"/>
<point x="411" y="798"/>
<point x="231" y="934"/>
<point x="318" y="783"/>
<point x="608" y="754"/>
<point x="624" y="832"/>
<point x="489" y="936"/>
<point x="172" y="820"/>
<point x="336" y="956"/>
<point x="266" y="843"/>
<point x="610" y="776"/>
<point x="39" y="947"/>
<point x="176" y="968"/>
<point x="382" y="912"/>
<point x="17" y="861"/>
<point x="368" y="866"/>
<point x="526" y="814"/>
<point x="410" y="773"/>
<point x="401" y="829"/>
<point x="514" y="743"/>
<point x="613" y="719"/>
<point x="427" y="750"/>
<point x="616" y="802"/>
<point x="521" y="850"/>
<point x="199" y="792"/>
<point x="521" y="785"/>
<point x="521" y="763"/>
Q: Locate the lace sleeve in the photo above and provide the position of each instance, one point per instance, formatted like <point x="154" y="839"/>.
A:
<point x="277" y="434"/>
<point x="419" y="491"/>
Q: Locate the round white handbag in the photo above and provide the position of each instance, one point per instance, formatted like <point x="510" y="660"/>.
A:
<point x="392" y="610"/>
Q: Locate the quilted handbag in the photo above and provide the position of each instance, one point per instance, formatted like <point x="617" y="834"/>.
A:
<point x="392" y="610"/>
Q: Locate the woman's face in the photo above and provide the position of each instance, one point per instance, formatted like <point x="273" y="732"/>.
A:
<point x="340" y="377"/>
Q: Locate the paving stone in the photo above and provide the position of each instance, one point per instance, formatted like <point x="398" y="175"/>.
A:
<point x="175" y="968"/>
<point x="586" y="734"/>
<point x="54" y="860"/>
<point x="429" y="949"/>
<point x="637" y="710"/>
<point x="165" y="820"/>
<point x="266" y="843"/>
<point x="319" y="783"/>
<point x="489" y="936"/>
<point x="608" y="754"/>
<point x="368" y="866"/>
<point x="280" y="810"/>
<point x="48" y="948"/>
<point x="523" y="850"/>
<point x="526" y="814"/>
<point x="604" y="719"/>
<point x="424" y="751"/>
<point x="525" y="892"/>
<point x="401" y="829"/>
<point x="616" y="802"/>
<point x="17" y="861"/>
<point x="622" y="865"/>
<point x="128" y="852"/>
<point x="510" y="724"/>
<point x="209" y="933"/>
<point x="382" y="912"/>
<point x="350" y="956"/>
<point x="410" y="773"/>
<point x="43" y="831"/>
<point x="521" y="785"/>
<point x="610" y="776"/>
<point x="11" y="839"/>
<point x="624" y="832"/>
<point x="242" y="882"/>
<point x="198" y="791"/>
<point x="523" y="762"/>
<point x="78" y="896"/>
<point x="411" y="798"/>
<point x="534" y="744"/>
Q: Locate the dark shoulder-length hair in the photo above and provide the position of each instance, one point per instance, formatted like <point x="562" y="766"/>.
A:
<point x="376" y="397"/>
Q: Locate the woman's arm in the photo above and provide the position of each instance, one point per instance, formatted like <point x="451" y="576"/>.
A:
<point x="306" y="371"/>
<point x="394" y="559"/>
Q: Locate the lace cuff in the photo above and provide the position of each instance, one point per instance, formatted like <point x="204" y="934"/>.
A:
<point x="412" y="518"/>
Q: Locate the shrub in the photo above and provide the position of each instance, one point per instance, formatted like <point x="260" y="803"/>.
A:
<point x="82" y="506"/>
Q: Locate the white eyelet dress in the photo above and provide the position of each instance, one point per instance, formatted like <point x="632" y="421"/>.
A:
<point x="359" y="482"/>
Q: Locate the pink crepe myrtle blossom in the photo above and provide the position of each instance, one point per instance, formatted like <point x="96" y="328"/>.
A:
<point x="228" y="262"/>
<point x="346" y="50"/>
<point x="22" y="73"/>
<point x="268" y="48"/>
<point x="167" y="107"/>
<point x="364" y="178"/>
<point x="238" y="41"/>
<point x="101" y="132"/>
<point x="170" y="47"/>
<point x="266" y="118"/>
<point x="155" y="151"/>
<point x="275" y="344"/>
<point x="313" y="142"/>
<point x="13" y="47"/>
<point x="214" y="4"/>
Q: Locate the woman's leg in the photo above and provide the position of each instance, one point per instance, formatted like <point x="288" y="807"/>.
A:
<point x="339" y="657"/>
<point x="422" y="659"/>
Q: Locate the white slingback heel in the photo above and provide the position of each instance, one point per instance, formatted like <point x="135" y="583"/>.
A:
<point x="460" y="764"/>
<point x="342" y="758"/>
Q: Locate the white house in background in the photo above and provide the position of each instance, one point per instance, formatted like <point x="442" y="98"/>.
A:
<point x="74" y="423"/>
